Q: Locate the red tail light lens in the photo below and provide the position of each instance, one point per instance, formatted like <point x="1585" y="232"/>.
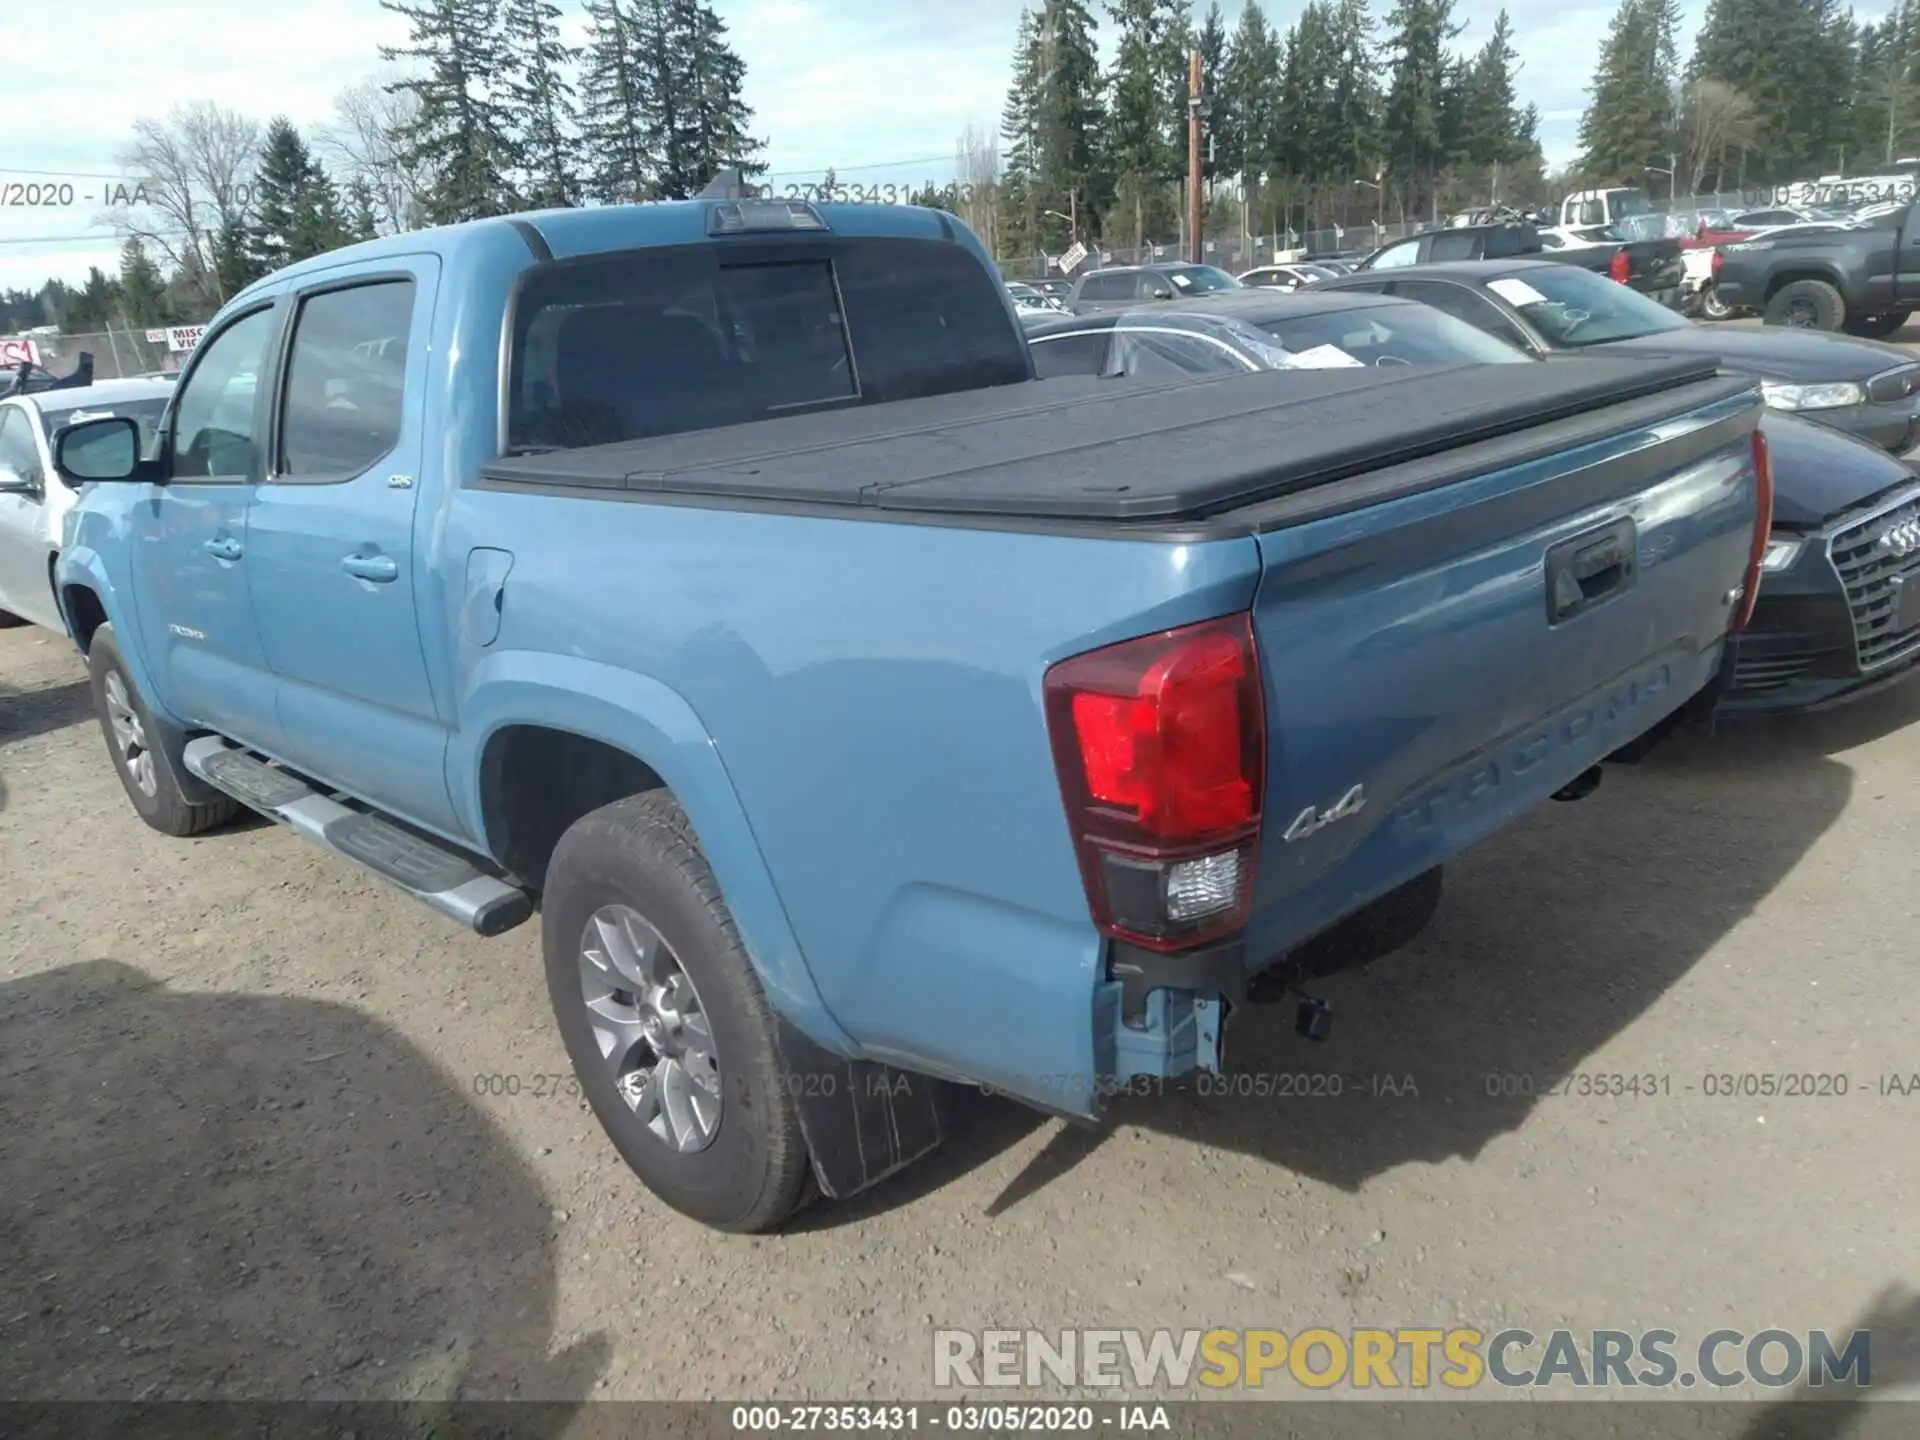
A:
<point x="1160" y="743"/>
<point x="1762" y="531"/>
<point x="1715" y="264"/>
<point x="1620" y="268"/>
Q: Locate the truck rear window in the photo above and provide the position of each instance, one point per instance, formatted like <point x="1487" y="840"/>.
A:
<point x="652" y="342"/>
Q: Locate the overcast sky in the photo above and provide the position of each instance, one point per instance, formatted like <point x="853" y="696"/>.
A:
<point x="884" y="85"/>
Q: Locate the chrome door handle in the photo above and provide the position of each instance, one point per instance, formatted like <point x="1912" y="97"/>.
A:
<point x="224" y="547"/>
<point x="378" y="568"/>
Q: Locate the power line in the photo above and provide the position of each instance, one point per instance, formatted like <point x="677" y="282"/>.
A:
<point x="96" y="236"/>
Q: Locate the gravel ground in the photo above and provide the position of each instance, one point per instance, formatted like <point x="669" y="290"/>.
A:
<point x="242" y="1152"/>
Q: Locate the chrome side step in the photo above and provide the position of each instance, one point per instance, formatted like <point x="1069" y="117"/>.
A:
<point x="438" y="876"/>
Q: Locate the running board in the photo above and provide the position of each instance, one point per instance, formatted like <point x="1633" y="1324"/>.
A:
<point x="437" y="876"/>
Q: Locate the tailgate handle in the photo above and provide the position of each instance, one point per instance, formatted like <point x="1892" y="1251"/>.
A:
<point x="1589" y="569"/>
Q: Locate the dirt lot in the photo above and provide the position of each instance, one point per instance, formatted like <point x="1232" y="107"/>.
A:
<point x="242" y="1153"/>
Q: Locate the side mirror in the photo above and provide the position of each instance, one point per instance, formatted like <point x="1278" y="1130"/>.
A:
<point x="104" y="449"/>
<point x="1163" y="292"/>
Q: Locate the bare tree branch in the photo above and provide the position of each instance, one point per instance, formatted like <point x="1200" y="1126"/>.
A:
<point x="1713" y="117"/>
<point x="359" y="141"/>
<point x="977" y="166"/>
<point x="194" y="178"/>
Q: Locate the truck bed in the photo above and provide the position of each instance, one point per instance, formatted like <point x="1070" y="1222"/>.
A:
<point x="1118" y="450"/>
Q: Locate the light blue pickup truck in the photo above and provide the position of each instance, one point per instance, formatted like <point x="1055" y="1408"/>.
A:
<point x="861" y="713"/>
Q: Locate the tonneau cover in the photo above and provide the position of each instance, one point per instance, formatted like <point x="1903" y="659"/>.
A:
<point x="1115" y="449"/>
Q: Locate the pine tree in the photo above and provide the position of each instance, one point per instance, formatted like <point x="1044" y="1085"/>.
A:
<point x="1137" y="130"/>
<point x="614" y="105"/>
<point x="281" y="195"/>
<point x="362" y="211"/>
<point x="143" y="294"/>
<point x="1244" y="110"/>
<point x="1354" y="112"/>
<point x="719" y="121"/>
<point x="1070" y="116"/>
<point x="1629" y="120"/>
<point x="1494" y="129"/>
<point x="1211" y="42"/>
<point x="1020" y="143"/>
<point x="1413" y="123"/>
<point x="542" y="98"/>
<point x="462" y="131"/>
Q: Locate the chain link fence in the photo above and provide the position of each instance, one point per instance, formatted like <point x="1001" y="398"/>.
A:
<point x="117" y="354"/>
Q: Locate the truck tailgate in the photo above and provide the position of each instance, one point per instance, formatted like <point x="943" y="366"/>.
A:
<point x="1468" y="650"/>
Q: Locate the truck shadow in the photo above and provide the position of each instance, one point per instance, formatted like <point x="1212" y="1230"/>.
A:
<point x="27" y="713"/>
<point x="256" y="1197"/>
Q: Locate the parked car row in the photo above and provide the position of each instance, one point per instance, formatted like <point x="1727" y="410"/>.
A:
<point x="1839" y="608"/>
<point x="875" y="689"/>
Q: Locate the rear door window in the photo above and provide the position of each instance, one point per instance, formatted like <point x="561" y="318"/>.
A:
<point x="346" y="381"/>
<point x="641" y="343"/>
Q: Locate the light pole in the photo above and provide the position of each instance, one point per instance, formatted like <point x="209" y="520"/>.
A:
<point x="1672" y="180"/>
<point x="1073" y="226"/>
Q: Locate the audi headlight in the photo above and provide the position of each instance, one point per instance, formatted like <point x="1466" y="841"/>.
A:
<point x="1828" y="396"/>
<point x="1782" y="551"/>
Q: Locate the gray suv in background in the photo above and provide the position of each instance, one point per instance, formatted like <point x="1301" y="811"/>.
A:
<point x="1126" y="287"/>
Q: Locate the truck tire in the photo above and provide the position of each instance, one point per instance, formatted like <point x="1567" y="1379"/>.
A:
<point x="1877" y="327"/>
<point x="1807" y="305"/>
<point x="670" y="1035"/>
<point x="146" y="756"/>
<point x="1712" y="307"/>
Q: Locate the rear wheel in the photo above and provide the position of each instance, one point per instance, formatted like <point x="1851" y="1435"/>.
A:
<point x="1878" y="326"/>
<point x="670" y="1035"/>
<point x="1807" y="305"/>
<point x="145" y="755"/>
<point x="1712" y="307"/>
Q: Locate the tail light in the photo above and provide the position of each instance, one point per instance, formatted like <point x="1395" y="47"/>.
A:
<point x="1620" y="268"/>
<point x="1762" y="531"/>
<point x="1161" y="747"/>
<point x="1715" y="264"/>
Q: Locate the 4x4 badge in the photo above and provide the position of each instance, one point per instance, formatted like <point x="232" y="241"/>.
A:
<point x="1311" y="821"/>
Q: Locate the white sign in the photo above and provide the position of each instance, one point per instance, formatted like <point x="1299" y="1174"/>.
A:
<point x="1516" y="292"/>
<point x="183" y="337"/>
<point x="156" y="337"/>
<point x="1074" y="257"/>
<point x="15" y="348"/>
<point x="1321" y="357"/>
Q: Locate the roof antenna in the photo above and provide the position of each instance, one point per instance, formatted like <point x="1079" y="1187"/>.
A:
<point x="730" y="184"/>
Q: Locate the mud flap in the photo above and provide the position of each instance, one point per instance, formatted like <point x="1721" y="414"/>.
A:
<point x="862" y="1120"/>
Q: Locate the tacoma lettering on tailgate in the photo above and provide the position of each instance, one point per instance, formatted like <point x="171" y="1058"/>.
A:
<point x="1487" y="774"/>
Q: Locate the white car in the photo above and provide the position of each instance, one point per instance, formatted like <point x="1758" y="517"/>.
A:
<point x="1027" y="300"/>
<point x="34" y="500"/>
<point x="1285" y="277"/>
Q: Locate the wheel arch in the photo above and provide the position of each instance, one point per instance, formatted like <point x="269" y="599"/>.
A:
<point x="1800" y="270"/>
<point x="611" y="733"/>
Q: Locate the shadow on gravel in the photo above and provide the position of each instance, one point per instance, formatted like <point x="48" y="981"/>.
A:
<point x="247" y="1197"/>
<point x="26" y="713"/>
<point x="1551" y="938"/>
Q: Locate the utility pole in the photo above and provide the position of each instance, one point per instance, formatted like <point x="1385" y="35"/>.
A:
<point x="1197" y="109"/>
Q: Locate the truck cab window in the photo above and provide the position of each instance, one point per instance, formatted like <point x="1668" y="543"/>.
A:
<point x="1082" y="353"/>
<point x="346" y="380"/>
<point x="213" y="417"/>
<point x="622" y="347"/>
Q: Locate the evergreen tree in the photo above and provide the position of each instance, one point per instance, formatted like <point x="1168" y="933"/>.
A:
<point x="362" y="211"/>
<point x="1070" y="119"/>
<point x="143" y="293"/>
<point x="1244" y="118"/>
<point x="1211" y="42"/>
<point x="1020" y="143"/>
<point x="542" y="99"/>
<point x="1414" y="121"/>
<point x="1137" y="129"/>
<point x="1793" y="60"/>
<point x="1629" y="121"/>
<point x="615" y="102"/>
<point x="461" y="132"/>
<point x="281" y="194"/>
<point x="1354" y="110"/>
<point x="719" y="121"/>
<point x="1495" y="129"/>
